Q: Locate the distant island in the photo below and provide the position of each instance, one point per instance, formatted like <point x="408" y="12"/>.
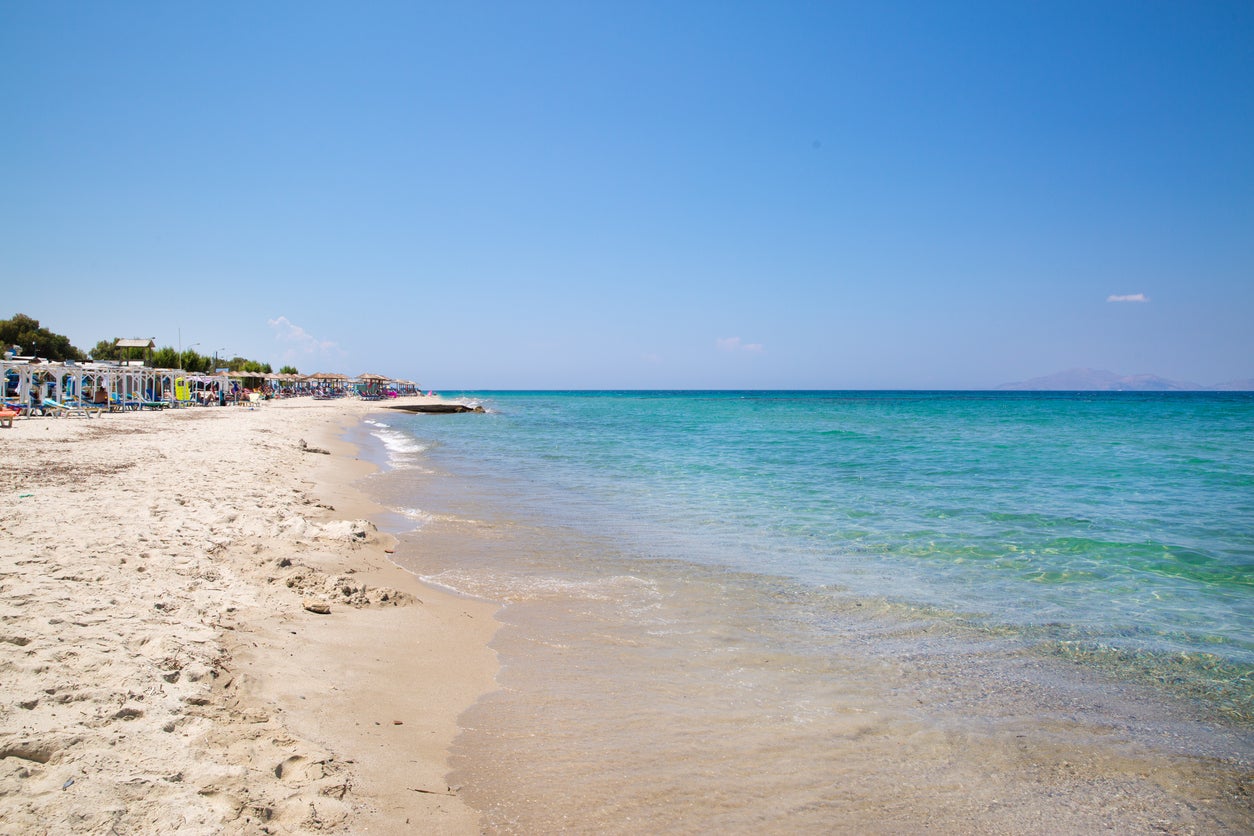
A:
<point x="1098" y="380"/>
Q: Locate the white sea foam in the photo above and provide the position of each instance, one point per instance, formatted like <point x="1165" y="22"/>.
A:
<point x="416" y="514"/>
<point x="397" y="443"/>
<point x="512" y="588"/>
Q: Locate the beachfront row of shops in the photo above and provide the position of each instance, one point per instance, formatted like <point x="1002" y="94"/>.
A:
<point x="34" y="387"/>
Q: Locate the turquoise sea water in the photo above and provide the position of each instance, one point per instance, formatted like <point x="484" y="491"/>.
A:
<point x="1125" y="520"/>
<point x="959" y="548"/>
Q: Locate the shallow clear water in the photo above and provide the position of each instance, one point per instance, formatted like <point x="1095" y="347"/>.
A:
<point x="775" y="594"/>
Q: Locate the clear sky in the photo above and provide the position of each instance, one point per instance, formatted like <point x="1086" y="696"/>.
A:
<point x="639" y="195"/>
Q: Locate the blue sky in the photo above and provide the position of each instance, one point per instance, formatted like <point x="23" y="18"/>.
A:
<point x="639" y="195"/>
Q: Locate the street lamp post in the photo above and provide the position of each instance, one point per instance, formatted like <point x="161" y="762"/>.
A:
<point x="221" y="387"/>
<point x="189" y="348"/>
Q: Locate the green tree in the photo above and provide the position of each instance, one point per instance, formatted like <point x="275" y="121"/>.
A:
<point x="289" y="370"/>
<point x="105" y="350"/>
<point x="239" y="364"/>
<point x="166" y="357"/>
<point x="194" y="362"/>
<point x="24" y="331"/>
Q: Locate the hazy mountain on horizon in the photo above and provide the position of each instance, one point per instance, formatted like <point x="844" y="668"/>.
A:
<point x="1099" y="380"/>
<point x="1246" y="385"/>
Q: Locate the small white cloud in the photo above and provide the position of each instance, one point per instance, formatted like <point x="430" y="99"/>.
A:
<point x="1131" y="297"/>
<point x="733" y="344"/>
<point x="299" y="340"/>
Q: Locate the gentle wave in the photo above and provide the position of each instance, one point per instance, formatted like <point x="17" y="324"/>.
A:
<point x="398" y="443"/>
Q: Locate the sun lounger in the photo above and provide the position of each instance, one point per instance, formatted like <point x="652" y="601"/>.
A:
<point x="67" y="410"/>
<point x="6" y="417"/>
<point x="122" y="404"/>
<point x="92" y="409"/>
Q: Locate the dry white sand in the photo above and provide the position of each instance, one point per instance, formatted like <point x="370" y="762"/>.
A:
<point x="160" y="671"/>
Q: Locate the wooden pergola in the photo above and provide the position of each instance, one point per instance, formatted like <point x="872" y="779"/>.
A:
<point x="147" y="345"/>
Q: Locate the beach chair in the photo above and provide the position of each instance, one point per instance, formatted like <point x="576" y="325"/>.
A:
<point x="91" y="407"/>
<point x="67" y="410"/>
<point x="122" y="404"/>
<point x="6" y="417"/>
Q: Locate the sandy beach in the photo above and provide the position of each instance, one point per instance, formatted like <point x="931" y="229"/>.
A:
<point x="200" y="632"/>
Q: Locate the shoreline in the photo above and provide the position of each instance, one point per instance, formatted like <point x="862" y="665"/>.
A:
<point x="161" y="669"/>
<point x="446" y="632"/>
<point x="642" y="691"/>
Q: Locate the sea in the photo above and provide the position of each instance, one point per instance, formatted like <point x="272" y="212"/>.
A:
<point x="831" y="612"/>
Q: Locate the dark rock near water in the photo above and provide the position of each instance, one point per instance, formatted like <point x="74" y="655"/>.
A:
<point x="436" y="408"/>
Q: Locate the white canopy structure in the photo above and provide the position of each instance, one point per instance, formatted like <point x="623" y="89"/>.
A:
<point x="27" y="383"/>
